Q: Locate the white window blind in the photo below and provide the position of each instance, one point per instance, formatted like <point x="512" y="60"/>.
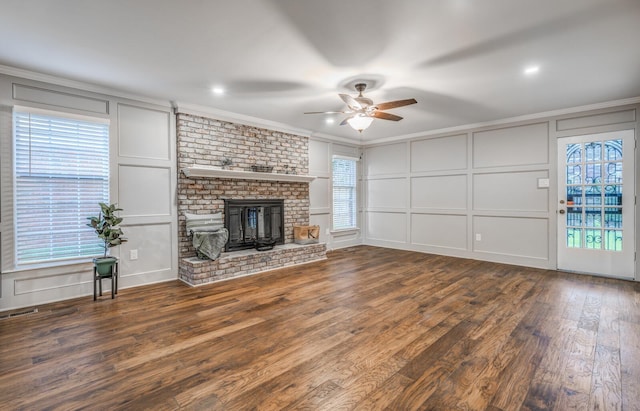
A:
<point x="61" y="174"/>
<point x="344" y="193"/>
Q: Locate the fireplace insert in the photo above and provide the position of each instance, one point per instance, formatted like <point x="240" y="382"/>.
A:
<point x="254" y="224"/>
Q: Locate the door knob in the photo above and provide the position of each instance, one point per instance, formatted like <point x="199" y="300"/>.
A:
<point x="561" y="211"/>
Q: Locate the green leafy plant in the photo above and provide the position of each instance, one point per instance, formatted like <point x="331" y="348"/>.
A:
<point x="105" y="225"/>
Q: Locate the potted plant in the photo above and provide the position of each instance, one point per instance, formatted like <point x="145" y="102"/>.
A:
<point x="105" y="225"/>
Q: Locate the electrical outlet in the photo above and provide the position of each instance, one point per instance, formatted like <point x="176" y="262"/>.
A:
<point x="133" y="254"/>
<point x="327" y="232"/>
<point x="478" y="237"/>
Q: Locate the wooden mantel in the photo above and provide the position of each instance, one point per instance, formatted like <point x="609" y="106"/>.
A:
<point x="216" y="172"/>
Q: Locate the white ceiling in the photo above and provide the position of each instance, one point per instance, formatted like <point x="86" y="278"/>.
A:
<point x="463" y="60"/>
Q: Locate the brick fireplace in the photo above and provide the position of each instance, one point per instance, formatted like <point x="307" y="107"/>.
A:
<point x="208" y="142"/>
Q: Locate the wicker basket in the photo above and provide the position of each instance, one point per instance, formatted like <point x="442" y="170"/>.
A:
<point x="306" y="234"/>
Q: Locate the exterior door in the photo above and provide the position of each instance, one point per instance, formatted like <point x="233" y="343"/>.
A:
<point x="596" y="195"/>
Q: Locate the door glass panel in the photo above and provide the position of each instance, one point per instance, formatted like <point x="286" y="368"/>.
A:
<point x="574" y="174"/>
<point x="593" y="219"/>
<point x="593" y="173"/>
<point x="592" y="239"/>
<point x="613" y="150"/>
<point x="574" y="217"/>
<point x="613" y="240"/>
<point x="574" y="238"/>
<point x="613" y="173"/>
<point x="574" y="153"/>
<point x="613" y="194"/>
<point x="593" y="151"/>
<point x="613" y="217"/>
<point x="594" y="195"/>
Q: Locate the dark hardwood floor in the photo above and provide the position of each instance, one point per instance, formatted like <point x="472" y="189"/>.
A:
<point x="367" y="329"/>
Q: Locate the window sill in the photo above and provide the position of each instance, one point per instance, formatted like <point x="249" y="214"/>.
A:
<point x="345" y="231"/>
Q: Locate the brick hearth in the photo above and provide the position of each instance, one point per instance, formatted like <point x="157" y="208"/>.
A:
<point x="240" y="263"/>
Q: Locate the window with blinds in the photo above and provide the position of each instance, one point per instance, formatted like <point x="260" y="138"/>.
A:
<point x="344" y="193"/>
<point x="61" y="174"/>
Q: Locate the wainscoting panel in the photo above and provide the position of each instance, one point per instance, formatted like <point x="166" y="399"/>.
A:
<point x="60" y="99"/>
<point x="387" y="193"/>
<point x="439" y="192"/>
<point x="512" y="236"/>
<point x="153" y="249"/>
<point x="390" y="227"/>
<point x="604" y="119"/>
<point x="511" y="146"/>
<point x="28" y="284"/>
<point x="319" y="192"/>
<point x="144" y="133"/>
<point x="434" y="154"/>
<point x="319" y="158"/>
<point x="513" y="191"/>
<point x="386" y="160"/>
<point x="144" y="191"/>
<point x="439" y="230"/>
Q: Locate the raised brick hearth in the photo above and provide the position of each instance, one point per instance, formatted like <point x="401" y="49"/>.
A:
<point x="206" y="142"/>
<point x="240" y="263"/>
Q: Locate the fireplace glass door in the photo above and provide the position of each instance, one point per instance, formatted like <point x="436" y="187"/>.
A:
<point x="249" y="221"/>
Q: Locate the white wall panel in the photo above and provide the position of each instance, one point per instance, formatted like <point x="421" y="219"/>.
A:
<point x="319" y="195"/>
<point x="144" y="190"/>
<point x="50" y="283"/>
<point x="439" y="230"/>
<point x="511" y="146"/>
<point x="154" y="246"/>
<point x="143" y="133"/>
<point x="439" y="192"/>
<point x="344" y="150"/>
<point x="388" y="159"/>
<point x="387" y="226"/>
<point x="515" y="191"/>
<point x="60" y="99"/>
<point x="436" y="154"/>
<point x="522" y="237"/>
<point x="319" y="158"/>
<point x="603" y="119"/>
<point x="387" y="193"/>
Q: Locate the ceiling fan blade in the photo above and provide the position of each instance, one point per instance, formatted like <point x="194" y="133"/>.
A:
<point x="345" y="121"/>
<point x="351" y="102"/>
<point x="386" y="116"/>
<point x="325" y="112"/>
<point x="397" y="103"/>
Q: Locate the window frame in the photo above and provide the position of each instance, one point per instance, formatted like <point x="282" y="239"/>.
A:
<point x="355" y="202"/>
<point x="17" y="264"/>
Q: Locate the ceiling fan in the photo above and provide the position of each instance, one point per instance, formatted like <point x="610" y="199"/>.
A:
<point x="362" y="111"/>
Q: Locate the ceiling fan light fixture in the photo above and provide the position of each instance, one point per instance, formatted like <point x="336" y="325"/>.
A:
<point x="360" y="122"/>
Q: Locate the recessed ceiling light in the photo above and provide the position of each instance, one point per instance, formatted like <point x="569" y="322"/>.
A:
<point x="218" y="90"/>
<point x="531" y="70"/>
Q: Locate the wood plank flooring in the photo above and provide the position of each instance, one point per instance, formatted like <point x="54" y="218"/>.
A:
<point x="367" y="329"/>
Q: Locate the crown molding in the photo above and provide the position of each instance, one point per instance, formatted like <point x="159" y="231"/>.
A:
<point x="510" y="120"/>
<point x="335" y="139"/>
